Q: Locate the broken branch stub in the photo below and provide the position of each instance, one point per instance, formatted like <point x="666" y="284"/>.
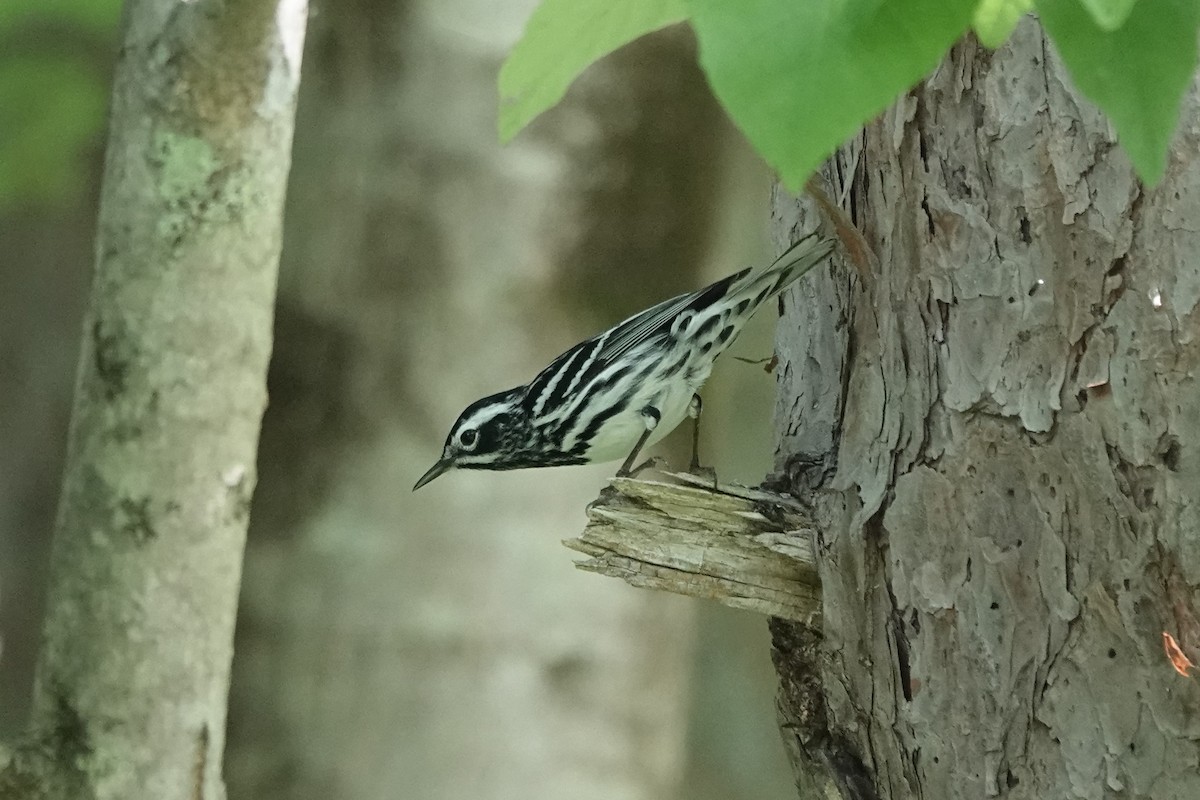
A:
<point x="746" y="548"/>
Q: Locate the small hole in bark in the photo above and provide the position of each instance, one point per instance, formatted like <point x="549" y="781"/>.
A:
<point x="1170" y="456"/>
<point x="1112" y="653"/>
<point x="1012" y="299"/>
<point x="1024" y="226"/>
<point x="1011" y="492"/>
<point x="1020" y="542"/>
<point x="1125" y="583"/>
<point x="994" y="605"/>
<point x="1132" y="747"/>
<point x="1010" y="779"/>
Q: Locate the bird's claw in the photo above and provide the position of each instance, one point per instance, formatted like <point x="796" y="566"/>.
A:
<point x="707" y="473"/>
<point x="654" y="462"/>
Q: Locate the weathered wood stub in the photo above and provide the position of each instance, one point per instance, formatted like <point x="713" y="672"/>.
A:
<point x="746" y="548"/>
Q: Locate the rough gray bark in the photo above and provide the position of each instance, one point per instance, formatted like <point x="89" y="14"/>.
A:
<point x="435" y="645"/>
<point x="133" y="671"/>
<point x="1013" y="520"/>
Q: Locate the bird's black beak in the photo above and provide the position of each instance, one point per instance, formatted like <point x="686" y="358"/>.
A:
<point x="437" y="469"/>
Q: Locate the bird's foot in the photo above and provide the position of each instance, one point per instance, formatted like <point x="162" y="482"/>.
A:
<point x="708" y="473"/>
<point x="654" y="462"/>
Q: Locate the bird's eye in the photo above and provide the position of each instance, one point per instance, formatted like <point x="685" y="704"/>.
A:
<point x="468" y="438"/>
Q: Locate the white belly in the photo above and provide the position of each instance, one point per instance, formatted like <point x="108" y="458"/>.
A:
<point x="618" y="436"/>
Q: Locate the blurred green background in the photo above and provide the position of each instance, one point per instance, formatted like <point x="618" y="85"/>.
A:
<point x="440" y="642"/>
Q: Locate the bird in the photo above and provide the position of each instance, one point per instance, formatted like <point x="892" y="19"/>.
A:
<point x="624" y="389"/>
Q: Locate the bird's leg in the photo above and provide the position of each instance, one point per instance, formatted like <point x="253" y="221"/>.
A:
<point x="651" y="416"/>
<point x="694" y="409"/>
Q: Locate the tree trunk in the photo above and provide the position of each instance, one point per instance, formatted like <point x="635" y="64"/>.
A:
<point x="1012" y="522"/>
<point x="438" y="645"/>
<point x="133" y="672"/>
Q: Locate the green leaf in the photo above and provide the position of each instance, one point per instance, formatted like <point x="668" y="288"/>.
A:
<point x="1136" y="74"/>
<point x="995" y="20"/>
<point x="561" y="39"/>
<point x="52" y="97"/>
<point x="52" y="109"/>
<point x="1109" y="14"/>
<point x="801" y="77"/>
<point x="92" y="16"/>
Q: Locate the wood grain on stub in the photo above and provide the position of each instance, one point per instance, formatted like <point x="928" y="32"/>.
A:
<point x="747" y="548"/>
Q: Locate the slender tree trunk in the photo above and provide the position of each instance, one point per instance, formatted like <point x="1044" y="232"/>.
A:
<point x="133" y="673"/>
<point x="439" y="645"/>
<point x="1014" y="518"/>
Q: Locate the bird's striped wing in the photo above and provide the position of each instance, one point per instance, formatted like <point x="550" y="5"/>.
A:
<point x="551" y="389"/>
<point x="586" y="360"/>
<point x="658" y="319"/>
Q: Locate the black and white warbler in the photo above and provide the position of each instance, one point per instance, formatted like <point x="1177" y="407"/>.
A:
<point x="609" y="396"/>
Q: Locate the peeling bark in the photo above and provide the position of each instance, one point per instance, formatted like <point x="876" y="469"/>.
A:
<point x="132" y="677"/>
<point x="1013" y="520"/>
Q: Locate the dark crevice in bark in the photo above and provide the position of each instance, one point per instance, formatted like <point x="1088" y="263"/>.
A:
<point x="804" y="722"/>
<point x="1136" y="481"/>
<point x="900" y="639"/>
<point x="918" y="126"/>
<point x="803" y="473"/>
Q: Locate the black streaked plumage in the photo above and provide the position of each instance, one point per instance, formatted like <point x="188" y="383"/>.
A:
<point x="610" y="395"/>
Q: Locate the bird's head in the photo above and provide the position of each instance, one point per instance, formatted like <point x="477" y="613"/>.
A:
<point x="487" y="435"/>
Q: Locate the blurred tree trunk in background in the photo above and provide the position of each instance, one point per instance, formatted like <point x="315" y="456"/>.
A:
<point x="42" y="290"/>
<point x="45" y="264"/>
<point x="438" y="645"/>
<point x="133" y="672"/>
<point x="1014" y="409"/>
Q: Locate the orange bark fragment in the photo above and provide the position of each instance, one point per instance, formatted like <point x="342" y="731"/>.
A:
<point x="1182" y="664"/>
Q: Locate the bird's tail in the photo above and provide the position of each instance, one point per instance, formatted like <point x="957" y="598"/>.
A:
<point x="790" y="266"/>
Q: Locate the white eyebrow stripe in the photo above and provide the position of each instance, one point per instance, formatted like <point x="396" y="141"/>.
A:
<point x="484" y="414"/>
